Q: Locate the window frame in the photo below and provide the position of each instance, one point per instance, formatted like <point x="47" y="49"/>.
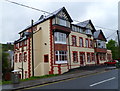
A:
<point x="75" y="61"/>
<point x="46" y="61"/>
<point x="89" y="57"/>
<point x="20" y="57"/>
<point x="74" y="43"/>
<point x="60" y="38"/>
<point x="81" y="54"/>
<point x="87" y="45"/>
<point x="92" y="57"/>
<point x="82" y="42"/>
<point x="59" y="55"/>
<point x="25" y="56"/>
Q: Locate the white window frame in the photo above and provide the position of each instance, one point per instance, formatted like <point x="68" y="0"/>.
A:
<point x="60" y="55"/>
<point x="60" y="38"/>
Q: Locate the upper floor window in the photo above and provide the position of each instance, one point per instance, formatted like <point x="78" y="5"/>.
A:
<point x="87" y="43"/>
<point x="91" y="43"/>
<point x="75" y="57"/>
<point x="16" y="45"/>
<point x="74" y="42"/>
<point x="20" y="44"/>
<point x="25" y="57"/>
<point x="61" y="22"/>
<point x="60" y="38"/>
<point x="25" y="42"/>
<point x="101" y="44"/>
<point x="81" y="42"/>
<point x="88" y="31"/>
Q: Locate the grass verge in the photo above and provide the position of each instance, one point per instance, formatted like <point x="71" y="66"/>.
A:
<point x="27" y="79"/>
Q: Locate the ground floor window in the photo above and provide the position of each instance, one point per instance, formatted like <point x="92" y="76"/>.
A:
<point x="102" y="56"/>
<point x="60" y="57"/>
<point x="92" y="57"/>
<point x="88" y="57"/>
<point x="46" y="58"/>
<point x="75" y="57"/>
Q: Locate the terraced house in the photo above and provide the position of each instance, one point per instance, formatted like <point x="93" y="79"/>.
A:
<point x="53" y="45"/>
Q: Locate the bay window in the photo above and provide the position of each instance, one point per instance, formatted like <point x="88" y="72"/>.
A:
<point x="60" y="38"/>
<point x="60" y="57"/>
<point x="62" y="22"/>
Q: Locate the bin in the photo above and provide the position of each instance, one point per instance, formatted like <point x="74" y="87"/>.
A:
<point x="15" y="77"/>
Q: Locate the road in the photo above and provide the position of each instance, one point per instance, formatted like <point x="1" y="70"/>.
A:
<point x="104" y="80"/>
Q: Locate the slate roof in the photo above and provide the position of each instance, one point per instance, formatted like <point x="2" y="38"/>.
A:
<point x="84" y="23"/>
<point x="47" y="17"/>
<point x="97" y="33"/>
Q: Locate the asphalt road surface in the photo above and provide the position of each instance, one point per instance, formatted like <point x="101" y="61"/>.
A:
<point x="104" y="80"/>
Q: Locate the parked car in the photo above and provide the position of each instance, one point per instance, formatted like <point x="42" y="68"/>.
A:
<point x="112" y="62"/>
<point x="118" y="63"/>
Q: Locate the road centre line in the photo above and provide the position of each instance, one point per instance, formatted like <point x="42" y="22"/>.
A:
<point x="102" y="81"/>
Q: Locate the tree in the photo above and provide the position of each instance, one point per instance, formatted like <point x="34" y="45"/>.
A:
<point x="4" y="58"/>
<point x="111" y="45"/>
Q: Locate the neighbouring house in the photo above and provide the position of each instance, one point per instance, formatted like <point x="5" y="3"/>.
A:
<point x="53" y="45"/>
<point x="101" y="52"/>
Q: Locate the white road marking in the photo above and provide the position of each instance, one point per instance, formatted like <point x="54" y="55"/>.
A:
<point x="102" y="81"/>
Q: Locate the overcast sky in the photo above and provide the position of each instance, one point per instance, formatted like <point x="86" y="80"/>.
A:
<point x="15" y="18"/>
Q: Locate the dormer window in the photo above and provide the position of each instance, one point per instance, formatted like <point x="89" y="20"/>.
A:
<point x="61" y="22"/>
<point x="88" y="32"/>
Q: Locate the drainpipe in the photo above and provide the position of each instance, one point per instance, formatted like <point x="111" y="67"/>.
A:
<point x="32" y="49"/>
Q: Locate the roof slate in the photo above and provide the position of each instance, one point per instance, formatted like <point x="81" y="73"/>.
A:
<point x="45" y="18"/>
<point x="83" y="24"/>
<point x="96" y="34"/>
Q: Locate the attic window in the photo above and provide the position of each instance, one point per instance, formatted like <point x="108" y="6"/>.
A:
<point x="88" y="32"/>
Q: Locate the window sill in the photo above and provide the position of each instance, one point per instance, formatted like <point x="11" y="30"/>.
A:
<point x="60" y="42"/>
<point x="61" y="62"/>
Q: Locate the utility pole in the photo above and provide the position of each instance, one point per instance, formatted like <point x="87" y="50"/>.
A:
<point x="118" y="33"/>
<point x="32" y="48"/>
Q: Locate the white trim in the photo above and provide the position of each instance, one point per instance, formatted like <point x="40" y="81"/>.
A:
<point x="61" y="62"/>
<point x="59" y="42"/>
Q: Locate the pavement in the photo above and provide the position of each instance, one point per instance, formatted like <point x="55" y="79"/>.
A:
<point x="74" y="73"/>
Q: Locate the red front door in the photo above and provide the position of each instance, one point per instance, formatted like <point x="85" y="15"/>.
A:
<point x="82" y="59"/>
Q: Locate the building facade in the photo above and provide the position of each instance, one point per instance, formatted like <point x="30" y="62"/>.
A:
<point x="53" y="45"/>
